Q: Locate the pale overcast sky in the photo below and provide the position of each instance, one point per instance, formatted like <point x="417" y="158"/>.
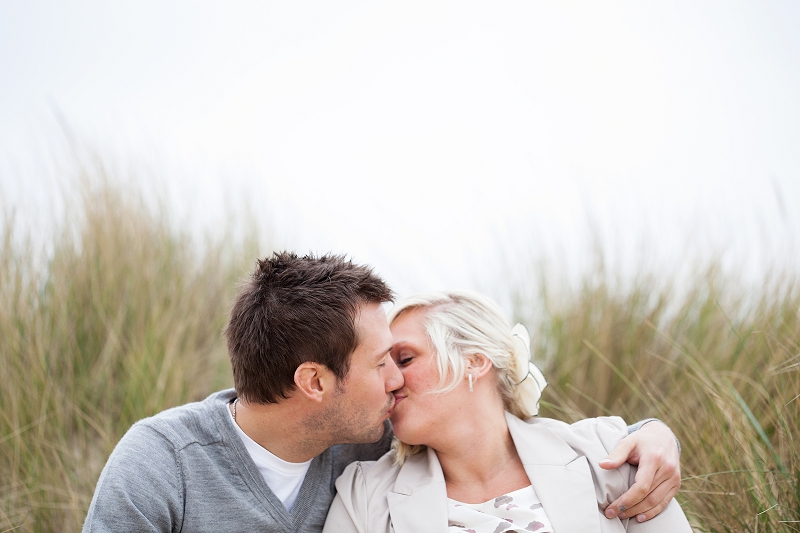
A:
<point x="426" y="137"/>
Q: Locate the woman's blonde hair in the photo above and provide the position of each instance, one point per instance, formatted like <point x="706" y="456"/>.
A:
<point x="460" y="324"/>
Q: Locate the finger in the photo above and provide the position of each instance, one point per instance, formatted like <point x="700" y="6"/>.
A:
<point x="642" y="486"/>
<point x="619" y="454"/>
<point x="665" y="489"/>
<point x="644" y="517"/>
<point x="651" y="505"/>
<point x="665" y="483"/>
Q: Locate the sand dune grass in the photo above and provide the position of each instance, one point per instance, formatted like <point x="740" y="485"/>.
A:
<point x="714" y="356"/>
<point x="120" y="317"/>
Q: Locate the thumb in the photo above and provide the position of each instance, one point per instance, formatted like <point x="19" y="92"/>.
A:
<point x="619" y="455"/>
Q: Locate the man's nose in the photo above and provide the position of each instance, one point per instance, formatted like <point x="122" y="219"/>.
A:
<point x="394" y="380"/>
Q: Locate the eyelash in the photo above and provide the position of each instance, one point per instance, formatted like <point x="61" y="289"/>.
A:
<point x="404" y="361"/>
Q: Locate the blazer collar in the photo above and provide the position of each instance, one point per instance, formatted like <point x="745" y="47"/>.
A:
<point x="562" y="481"/>
<point x="418" y="502"/>
<point x="561" y="478"/>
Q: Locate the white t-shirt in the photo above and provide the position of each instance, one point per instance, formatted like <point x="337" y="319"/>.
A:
<point x="283" y="478"/>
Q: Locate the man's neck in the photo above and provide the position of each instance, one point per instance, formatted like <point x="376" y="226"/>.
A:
<point x="280" y="429"/>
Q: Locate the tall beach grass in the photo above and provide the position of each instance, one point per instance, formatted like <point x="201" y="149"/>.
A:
<point x="120" y="317"/>
<point x="115" y="318"/>
<point x="715" y="356"/>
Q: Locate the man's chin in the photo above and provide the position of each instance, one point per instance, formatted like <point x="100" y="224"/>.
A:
<point x="369" y="438"/>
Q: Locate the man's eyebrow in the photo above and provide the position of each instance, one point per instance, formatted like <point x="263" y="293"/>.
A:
<point x="382" y="354"/>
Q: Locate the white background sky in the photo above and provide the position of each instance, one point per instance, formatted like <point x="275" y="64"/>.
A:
<point x="426" y="137"/>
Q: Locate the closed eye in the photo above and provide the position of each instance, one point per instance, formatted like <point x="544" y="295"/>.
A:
<point x="383" y="360"/>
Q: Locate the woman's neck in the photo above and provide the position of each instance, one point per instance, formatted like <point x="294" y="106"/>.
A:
<point x="482" y="463"/>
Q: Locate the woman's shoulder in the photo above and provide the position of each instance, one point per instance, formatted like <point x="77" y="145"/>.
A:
<point x="587" y="441"/>
<point x="593" y="438"/>
<point x="369" y="477"/>
<point x="361" y="503"/>
<point x="601" y="432"/>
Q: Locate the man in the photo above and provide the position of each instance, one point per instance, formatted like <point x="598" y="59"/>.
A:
<point x="309" y="345"/>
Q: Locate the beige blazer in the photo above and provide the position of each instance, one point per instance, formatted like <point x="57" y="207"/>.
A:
<point x="561" y="461"/>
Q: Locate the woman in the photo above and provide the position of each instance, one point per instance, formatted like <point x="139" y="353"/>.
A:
<point x="464" y="459"/>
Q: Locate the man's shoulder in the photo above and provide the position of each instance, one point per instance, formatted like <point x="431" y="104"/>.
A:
<point x="192" y="423"/>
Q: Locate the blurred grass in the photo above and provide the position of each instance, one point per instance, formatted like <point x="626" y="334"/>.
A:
<point x="714" y="356"/>
<point x="119" y="317"/>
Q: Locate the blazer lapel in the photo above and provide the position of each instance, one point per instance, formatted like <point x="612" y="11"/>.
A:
<point x="562" y="479"/>
<point x="418" y="502"/>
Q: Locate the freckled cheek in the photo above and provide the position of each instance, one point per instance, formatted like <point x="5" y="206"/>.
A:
<point x="421" y="384"/>
<point x="412" y="384"/>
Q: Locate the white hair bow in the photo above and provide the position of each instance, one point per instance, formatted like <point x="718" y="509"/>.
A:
<point x="530" y="380"/>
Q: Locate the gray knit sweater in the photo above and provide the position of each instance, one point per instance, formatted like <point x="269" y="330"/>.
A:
<point x="186" y="469"/>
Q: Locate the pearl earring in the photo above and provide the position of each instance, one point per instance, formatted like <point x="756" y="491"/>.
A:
<point x="470" y="383"/>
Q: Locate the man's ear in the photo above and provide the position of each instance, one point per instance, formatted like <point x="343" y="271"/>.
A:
<point x="313" y="380"/>
<point x="478" y="365"/>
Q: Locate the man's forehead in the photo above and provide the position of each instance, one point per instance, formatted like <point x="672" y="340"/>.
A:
<point x="373" y="329"/>
<point x="372" y="312"/>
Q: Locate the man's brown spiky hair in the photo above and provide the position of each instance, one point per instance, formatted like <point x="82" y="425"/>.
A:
<point x="293" y="310"/>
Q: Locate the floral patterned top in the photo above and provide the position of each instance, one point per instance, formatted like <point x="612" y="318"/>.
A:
<point x="518" y="511"/>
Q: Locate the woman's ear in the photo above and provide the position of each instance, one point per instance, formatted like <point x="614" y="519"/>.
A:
<point x="478" y="365"/>
<point x="313" y="380"/>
